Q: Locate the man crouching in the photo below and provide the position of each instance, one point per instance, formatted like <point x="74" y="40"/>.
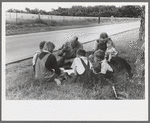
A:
<point x="68" y="51"/>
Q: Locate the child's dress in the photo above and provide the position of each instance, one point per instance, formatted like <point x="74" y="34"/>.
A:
<point x="35" y="57"/>
<point x="112" y="52"/>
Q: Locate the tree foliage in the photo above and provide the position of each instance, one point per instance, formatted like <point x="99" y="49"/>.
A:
<point x="94" y="11"/>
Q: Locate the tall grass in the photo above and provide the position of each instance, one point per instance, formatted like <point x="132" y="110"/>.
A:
<point x="53" y="22"/>
<point x="37" y="25"/>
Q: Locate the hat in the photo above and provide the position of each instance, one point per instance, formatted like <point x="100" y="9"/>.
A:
<point x="74" y="41"/>
<point x="41" y="45"/>
<point x="103" y="35"/>
<point x="75" y="38"/>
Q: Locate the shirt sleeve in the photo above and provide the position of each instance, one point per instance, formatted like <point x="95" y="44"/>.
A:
<point x="91" y="66"/>
<point x="105" y="67"/>
<point x="109" y="68"/>
<point x="114" y="52"/>
<point x="113" y="44"/>
<point x="74" y="66"/>
<point x="95" y="45"/>
<point x="51" y="63"/>
<point x="106" y="53"/>
<point x="34" y="58"/>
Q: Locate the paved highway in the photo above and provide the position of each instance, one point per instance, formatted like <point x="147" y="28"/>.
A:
<point x="23" y="46"/>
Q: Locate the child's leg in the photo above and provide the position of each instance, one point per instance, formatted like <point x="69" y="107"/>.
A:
<point x="34" y="68"/>
<point x="57" y="81"/>
<point x="74" y="78"/>
<point x="109" y="57"/>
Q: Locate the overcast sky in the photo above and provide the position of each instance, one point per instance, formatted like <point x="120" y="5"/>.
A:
<point x="48" y="6"/>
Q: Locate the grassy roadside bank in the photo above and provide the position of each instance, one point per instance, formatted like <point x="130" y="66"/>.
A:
<point x="43" y="26"/>
<point x="20" y="83"/>
<point x="40" y="25"/>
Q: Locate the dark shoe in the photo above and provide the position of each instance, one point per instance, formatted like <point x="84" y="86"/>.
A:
<point x="66" y="76"/>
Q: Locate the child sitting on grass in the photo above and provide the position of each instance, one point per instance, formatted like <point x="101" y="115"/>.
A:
<point x="46" y="67"/>
<point x="41" y="45"/>
<point x="110" y="51"/>
<point x="101" y="43"/>
<point x="101" y="66"/>
<point x="82" y="67"/>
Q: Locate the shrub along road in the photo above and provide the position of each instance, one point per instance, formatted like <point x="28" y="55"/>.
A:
<point x="23" y="46"/>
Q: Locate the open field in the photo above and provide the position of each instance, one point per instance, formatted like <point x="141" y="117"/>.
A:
<point x="21" y="85"/>
<point x="21" y="23"/>
<point x="22" y="17"/>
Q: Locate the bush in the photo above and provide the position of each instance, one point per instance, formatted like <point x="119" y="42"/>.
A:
<point x="53" y="23"/>
<point x="40" y="21"/>
<point x="19" y="23"/>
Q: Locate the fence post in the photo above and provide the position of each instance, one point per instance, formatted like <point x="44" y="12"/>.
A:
<point x="51" y="18"/>
<point x="39" y="16"/>
<point x="16" y="17"/>
<point x="98" y="19"/>
<point x="63" y="18"/>
<point x="112" y="19"/>
<point x="10" y="16"/>
<point x="48" y="17"/>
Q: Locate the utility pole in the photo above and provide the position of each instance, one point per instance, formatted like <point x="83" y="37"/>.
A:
<point x="99" y="18"/>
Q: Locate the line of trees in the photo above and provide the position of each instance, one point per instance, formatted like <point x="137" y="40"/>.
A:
<point x="89" y="11"/>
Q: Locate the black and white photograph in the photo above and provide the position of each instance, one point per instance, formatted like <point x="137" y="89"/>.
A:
<point x="75" y="61"/>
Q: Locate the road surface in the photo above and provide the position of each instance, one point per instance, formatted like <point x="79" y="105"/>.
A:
<point x="23" y="46"/>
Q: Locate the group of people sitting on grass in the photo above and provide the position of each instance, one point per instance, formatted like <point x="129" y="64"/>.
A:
<point x="86" y="65"/>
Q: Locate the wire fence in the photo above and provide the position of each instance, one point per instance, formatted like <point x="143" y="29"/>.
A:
<point x="22" y="17"/>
